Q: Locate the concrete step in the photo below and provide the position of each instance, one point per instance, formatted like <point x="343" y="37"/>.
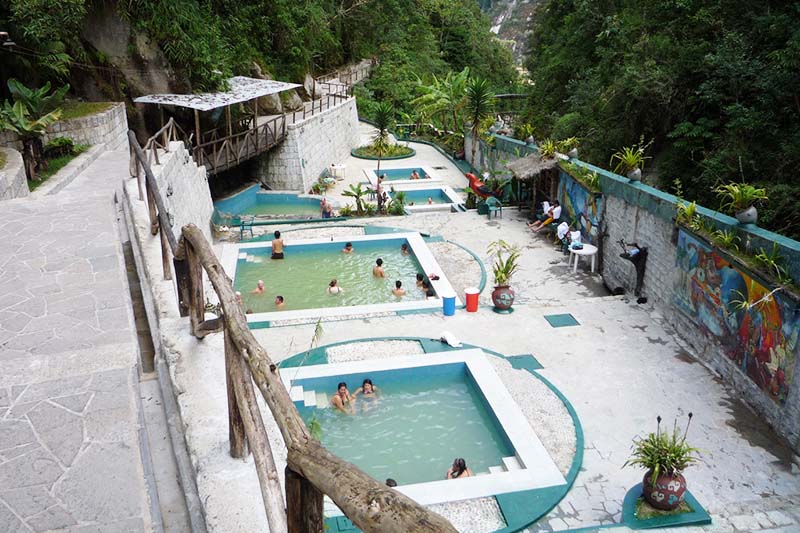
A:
<point x="512" y="463"/>
<point x="322" y="401"/>
<point x="497" y="469"/>
<point x="310" y="398"/>
<point x="296" y="393"/>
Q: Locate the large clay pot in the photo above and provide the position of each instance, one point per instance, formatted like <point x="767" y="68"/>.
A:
<point x="573" y="154"/>
<point x="748" y="216"/>
<point x="666" y="493"/>
<point x="503" y="297"/>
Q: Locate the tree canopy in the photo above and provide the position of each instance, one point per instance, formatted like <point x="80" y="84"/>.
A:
<point x="715" y="84"/>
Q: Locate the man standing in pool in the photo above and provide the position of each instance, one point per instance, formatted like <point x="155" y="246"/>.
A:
<point x="404" y="249"/>
<point x="277" y="246"/>
<point x="415" y="175"/>
<point x="348" y="248"/>
<point x="259" y="288"/>
<point x="398" y="290"/>
<point x="343" y="400"/>
<point x="279" y="302"/>
<point x="377" y="270"/>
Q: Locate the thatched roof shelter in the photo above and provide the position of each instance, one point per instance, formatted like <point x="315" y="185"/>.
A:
<point x="530" y="166"/>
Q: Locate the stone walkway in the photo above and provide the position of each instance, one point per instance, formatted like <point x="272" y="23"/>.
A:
<point x="69" y="420"/>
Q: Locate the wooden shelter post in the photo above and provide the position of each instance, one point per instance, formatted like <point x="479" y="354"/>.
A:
<point x="198" y="156"/>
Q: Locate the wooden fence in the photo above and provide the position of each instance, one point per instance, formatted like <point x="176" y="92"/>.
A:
<point x="312" y="471"/>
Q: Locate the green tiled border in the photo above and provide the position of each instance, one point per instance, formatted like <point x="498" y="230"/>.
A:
<point x="697" y="517"/>
<point x="520" y="509"/>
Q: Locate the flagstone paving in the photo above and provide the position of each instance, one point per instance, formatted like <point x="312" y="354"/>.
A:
<point x="69" y="448"/>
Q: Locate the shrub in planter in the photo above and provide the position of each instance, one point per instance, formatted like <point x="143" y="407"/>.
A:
<point x="59" y="146"/>
<point x="739" y="199"/>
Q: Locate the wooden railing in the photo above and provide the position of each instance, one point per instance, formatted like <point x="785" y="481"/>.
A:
<point x="312" y="471"/>
<point x="225" y="152"/>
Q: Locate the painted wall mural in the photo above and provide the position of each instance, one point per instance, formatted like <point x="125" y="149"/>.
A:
<point x="582" y="206"/>
<point x="762" y="340"/>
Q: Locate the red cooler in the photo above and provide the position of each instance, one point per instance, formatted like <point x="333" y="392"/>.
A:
<point x="472" y="294"/>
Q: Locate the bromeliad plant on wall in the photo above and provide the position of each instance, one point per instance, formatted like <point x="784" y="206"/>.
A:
<point x="739" y="200"/>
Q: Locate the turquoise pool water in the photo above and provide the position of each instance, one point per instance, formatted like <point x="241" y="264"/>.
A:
<point x="420" y="197"/>
<point x="252" y="201"/>
<point x="393" y="174"/>
<point x="303" y="276"/>
<point x="422" y="419"/>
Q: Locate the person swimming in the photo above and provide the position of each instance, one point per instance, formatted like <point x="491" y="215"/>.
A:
<point x="334" y="288"/>
<point x="458" y="469"/>
<point x="377" y="270"/>
<point x="367" y="389"/>
<point x="398" y="290"/>
<point x="348" y="248"/>
<point x="279" y="302"/>
<point x="259" y="287"/>
<point x="404" y="249"/>
<point x="277" y="246"/>
<point x="428" y="290"/>
<point x="430" y="200"/>
<point x="415" y="174"/>
<point x="343" y="400"/>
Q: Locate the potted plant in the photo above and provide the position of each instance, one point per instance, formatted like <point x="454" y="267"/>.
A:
<point x="506" y="259"/>
<point x="664" y="456"/>
<point x="739" y="200"/>
<point x="548" y="149"/>
<point x="630" y="160"/>
<point x="569" y="146"/>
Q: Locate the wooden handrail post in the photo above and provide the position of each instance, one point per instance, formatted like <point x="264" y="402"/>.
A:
<point x="236" y="431"/>
<point x="303" y="504"/>
<point x="165" y="254"/>
<point x="253" y="425"/>
<point x="151" y="208"/>
<point x="197" y="302"/>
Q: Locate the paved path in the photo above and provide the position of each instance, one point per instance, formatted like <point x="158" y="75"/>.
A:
<point x="69" y="444"/>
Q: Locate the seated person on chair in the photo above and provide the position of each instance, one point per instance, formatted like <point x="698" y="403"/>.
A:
<point x="553" y="214"/>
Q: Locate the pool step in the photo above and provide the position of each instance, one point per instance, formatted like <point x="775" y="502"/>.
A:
<point x="496" y="469"/>
<point x="322" y="400"/>
<point x="296" y="393"/>
<point x="310" y="398"/>
<point x="511" y="463"/>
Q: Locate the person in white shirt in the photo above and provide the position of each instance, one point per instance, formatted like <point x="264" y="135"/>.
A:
<point x="554" y="213"/>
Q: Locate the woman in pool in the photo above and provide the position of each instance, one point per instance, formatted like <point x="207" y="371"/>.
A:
<point x="404" y="249"/>
<point x="458" y="469"/>
<point x="367" y="389"/>
<point x="334" y="288"/>
<point x="343" y="400"/>
<point x="415" y="175"/>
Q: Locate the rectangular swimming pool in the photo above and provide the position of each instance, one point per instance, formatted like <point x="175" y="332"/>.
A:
<point x="411" y="432"/>
<point x="430" y="409"/>
<point x="303" y="276"/>
<point x="269" y="204"/>
<point x="394" y="174"/>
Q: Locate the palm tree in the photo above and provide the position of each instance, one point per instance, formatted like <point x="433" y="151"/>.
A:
<point x="384" y="113"/>
<point x="30" y="115"/>
<point x="357" y="192"/>
<point x="480" y="103"/>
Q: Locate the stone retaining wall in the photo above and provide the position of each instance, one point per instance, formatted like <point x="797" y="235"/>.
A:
<point x="310" y="147"/>
<point x="109" y="127"/>
<point x="184" y="188"/>
<point x="13" y="182"/>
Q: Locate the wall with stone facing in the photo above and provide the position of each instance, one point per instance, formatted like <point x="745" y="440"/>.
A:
<point x="109" y="127"/>
<point x="184" y="188"/>
<point x="310" y="147"/>
<point x="13" y="182"/>
<point x="642" y="214"/>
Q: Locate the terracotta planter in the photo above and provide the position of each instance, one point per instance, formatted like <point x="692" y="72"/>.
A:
<point x="748" y="216"/>
<point x="635" y="174"/>
<point x="503" y="297"/>
<point x="666" y="493"/>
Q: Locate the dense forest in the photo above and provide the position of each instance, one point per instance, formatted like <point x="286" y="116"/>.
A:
<point x="207" y="41"/>
<point x="715" y="84"/>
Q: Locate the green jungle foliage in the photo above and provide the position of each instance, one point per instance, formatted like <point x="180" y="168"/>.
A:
<point x="210" y="40"/>
<point x="715" y="84"/>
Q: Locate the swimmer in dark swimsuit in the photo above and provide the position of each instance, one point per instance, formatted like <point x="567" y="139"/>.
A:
<point x="367" y="389"/>
<point x="343" y="400"/>
<point x="277" y="246"/>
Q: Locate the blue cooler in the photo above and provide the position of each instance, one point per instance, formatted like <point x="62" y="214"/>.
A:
<point x="449" y="304"/>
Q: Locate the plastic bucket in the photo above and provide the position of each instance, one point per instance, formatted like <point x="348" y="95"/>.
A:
<point x="449" y="304"/>
<point x="472" y="294"/>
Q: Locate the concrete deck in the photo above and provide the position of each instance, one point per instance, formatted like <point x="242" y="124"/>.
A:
<point x="70" y="455"/>
<point x="620" y="368"/>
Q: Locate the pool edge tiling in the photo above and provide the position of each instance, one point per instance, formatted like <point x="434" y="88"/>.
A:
<point x="427" y="262"/>
<point x="538" y="469"/>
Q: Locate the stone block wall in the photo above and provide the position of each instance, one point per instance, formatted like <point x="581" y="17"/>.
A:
<point x="641" y="214"/>
<point x="184" y="188"/>
<point x="109" y="127"/>
<point x="310" y="147"/>
<point x="13" y="182"/>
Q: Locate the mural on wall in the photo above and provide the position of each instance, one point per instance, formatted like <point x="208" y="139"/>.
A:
<point x="582" y="206"/>
<point x="761" y="340"/>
